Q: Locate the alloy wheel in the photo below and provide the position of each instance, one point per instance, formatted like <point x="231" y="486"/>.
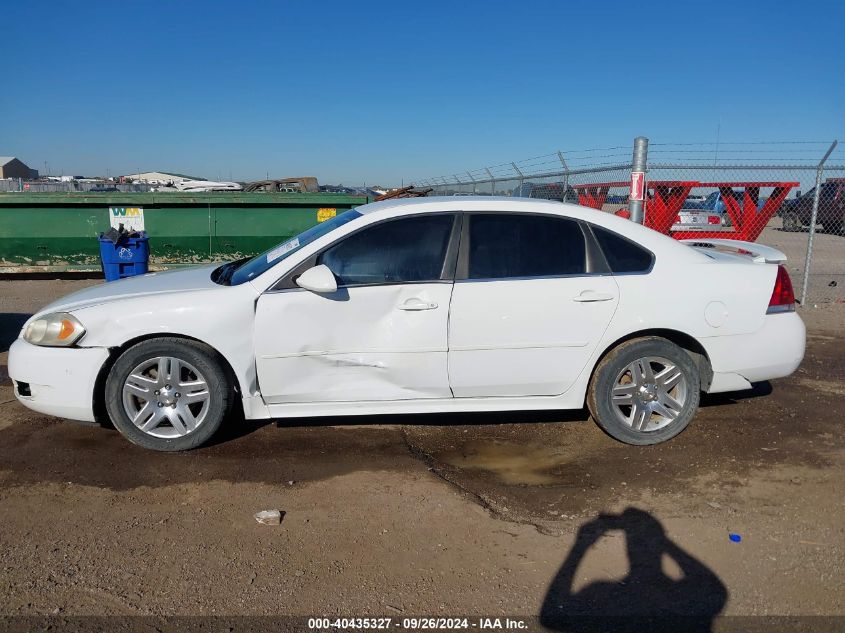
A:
<point x="649" y="393"/>
<point x="166" y="397"/>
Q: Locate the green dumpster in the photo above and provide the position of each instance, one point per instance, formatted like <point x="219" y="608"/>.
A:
<point x="58" y="232"/>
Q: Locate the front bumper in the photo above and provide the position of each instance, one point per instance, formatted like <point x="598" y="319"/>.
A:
<point x="61" y="379"/>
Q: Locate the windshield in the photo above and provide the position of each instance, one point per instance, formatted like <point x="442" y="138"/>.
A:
<point x="235" y="273"/>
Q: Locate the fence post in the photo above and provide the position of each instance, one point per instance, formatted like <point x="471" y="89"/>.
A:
<point x="521" y="177"/>
<point x="565" y="174"/>
<point x="816" y="194"/>
<point x="492" y="181"/>
<point x="639" y="162"/>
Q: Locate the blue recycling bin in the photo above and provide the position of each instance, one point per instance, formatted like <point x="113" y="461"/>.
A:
<point x="130" y="256"/>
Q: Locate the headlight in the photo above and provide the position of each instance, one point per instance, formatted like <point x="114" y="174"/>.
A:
<point x="59" y="329"/>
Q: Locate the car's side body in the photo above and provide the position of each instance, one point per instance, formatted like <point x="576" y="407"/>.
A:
<point x="506" y="344"/>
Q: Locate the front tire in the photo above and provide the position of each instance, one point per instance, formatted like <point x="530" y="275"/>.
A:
<point x="168" y="394"/>
<point x="644" y="391"/>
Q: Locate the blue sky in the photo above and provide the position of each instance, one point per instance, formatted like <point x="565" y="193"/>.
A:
<point x="379" y="91"/>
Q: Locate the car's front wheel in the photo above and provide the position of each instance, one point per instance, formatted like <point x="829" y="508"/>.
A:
<point x="167" y="394"/>
<point x="644" y="391"/>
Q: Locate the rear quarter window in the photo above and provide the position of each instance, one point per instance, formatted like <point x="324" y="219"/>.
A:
<point x="622" y="255"/>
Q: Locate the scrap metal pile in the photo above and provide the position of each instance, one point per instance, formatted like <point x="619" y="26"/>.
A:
<point x="404" y="192"/>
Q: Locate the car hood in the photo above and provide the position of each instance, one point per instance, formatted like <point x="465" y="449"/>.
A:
<point x="195" y="278"/>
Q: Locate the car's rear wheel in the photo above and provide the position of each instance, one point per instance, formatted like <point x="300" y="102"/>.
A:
<point x="167" y="394"/>
<point x="791" y="223"/>
<point x="644" y="391"/>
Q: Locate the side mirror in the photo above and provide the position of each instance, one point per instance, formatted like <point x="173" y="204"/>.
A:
<point x="318" y="279"/>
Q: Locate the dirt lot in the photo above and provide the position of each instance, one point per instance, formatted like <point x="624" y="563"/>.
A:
<point x="512" y="514"/>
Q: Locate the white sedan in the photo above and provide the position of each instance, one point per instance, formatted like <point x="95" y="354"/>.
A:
<point x="423" y="305"/>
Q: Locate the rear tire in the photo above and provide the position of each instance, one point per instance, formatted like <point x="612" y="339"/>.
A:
<point x="168" y="394"/>
<point x="791" y="223"/>
<point x="644" y="391"/>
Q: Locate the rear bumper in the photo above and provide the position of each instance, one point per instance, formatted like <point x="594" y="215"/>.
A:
<point x="774" y="351"/>
<point x="61" y="380"/>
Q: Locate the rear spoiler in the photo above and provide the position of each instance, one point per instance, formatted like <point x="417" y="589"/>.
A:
<point x="759" y="253"/>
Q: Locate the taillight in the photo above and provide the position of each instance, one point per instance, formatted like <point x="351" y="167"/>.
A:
<point x="783" y="298"/>
<point x="714" y="219"/>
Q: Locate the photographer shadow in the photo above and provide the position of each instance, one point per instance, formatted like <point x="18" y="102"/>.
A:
<point x="646" y="599"/>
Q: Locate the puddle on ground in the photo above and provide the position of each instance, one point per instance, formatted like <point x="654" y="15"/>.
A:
<point x="514" y="464"/>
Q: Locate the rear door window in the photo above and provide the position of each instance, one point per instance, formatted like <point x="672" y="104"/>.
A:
<point x="503" y="246"/>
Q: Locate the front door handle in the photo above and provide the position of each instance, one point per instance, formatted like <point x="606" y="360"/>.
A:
<point x="591" y="296"/>
<point x="416" y="304"/>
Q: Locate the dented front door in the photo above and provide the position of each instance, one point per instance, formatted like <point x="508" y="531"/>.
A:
<point x="382" y="342"/>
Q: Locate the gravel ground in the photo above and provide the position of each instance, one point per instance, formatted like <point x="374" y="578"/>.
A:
<point x="504" y="514"/>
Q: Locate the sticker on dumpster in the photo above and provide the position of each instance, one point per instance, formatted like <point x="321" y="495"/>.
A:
<point x="277" y="252"/>
<point x="637" y="185"/>
<point x="132" y="218"/>
<point x="124" y="253"/>
<point x="325" y="214"/>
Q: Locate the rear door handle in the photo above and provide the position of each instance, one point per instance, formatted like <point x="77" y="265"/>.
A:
<point x="591" y="296"/>
<point x="416" y="304"/>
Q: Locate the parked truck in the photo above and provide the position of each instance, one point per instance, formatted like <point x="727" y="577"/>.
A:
<point x="797" y="212"/>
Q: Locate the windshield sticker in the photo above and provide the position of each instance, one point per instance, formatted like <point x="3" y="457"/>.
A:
<point x="277" y="252"/>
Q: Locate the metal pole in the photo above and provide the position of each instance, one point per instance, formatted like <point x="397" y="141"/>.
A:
<point x="809" y="259"/>
<point x="521" y="178"/>
<point x="639" y="162"/>
<point x="565" y="174"/>
<point x="492" y="181"/>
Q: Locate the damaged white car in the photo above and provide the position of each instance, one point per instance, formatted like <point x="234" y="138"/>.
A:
<point x="424" y="305"/>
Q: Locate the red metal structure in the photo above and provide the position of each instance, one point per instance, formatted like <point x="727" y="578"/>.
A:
<point x="594" y="195"/>
<point x="666" y="198"/>
<point x="747" y="221"/>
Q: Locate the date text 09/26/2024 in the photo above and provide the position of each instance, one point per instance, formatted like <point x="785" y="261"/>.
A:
<point x="418" y="624"/>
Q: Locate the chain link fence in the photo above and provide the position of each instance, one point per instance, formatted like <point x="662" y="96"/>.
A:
<point x="14" y="185"/>
<point x="748" y="191"/>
